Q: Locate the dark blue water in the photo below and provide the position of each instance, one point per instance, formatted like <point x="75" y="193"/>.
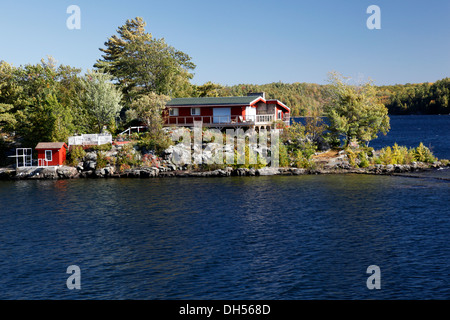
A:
<point x="409" y="131"/>
<point x="432" y="130"/>
<point x="276" y="238"/>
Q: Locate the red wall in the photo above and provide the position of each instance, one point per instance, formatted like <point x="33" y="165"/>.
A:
<point x="184" y="113"/>
<point x="58" y="156"/>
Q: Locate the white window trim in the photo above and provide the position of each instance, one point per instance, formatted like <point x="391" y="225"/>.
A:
<point x="194" y="113"/>
<point x="174" y="112"/>
<point x="51" y="155"/>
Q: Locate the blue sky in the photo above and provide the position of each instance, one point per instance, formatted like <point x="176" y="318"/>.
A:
<point x="247" y="41"/>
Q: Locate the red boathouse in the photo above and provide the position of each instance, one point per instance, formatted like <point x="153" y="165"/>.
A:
<point x="51" y="153"/>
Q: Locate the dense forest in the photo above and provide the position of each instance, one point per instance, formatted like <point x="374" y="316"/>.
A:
<point x="424" y="98"/>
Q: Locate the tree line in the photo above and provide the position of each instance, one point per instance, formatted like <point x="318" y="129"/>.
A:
<point x="305" y="98"/>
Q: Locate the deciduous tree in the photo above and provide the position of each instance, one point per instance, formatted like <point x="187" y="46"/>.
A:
<point x="101" y="97"/>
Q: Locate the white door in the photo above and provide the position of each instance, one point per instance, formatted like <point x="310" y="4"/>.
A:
<point x="221" y="115"/>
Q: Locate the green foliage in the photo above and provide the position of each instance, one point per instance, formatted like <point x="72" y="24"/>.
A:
<point x="283" y="156"/>
<point x="101" y="98"/>
<point x="303" y="161"/>
<point x="248" y="159"/>
<point x="299" y="145"/>
<point x="7" y="119"/>
<point x="39" y="101"/>
<point x="300" y="97"/>
<point x="294" y="136"/>
<point x="102" y="160"/>
<point x="149" y="108"/>
<point x="157" y="142"/>
<point x="421" y="98"/>
<point x="103" y="147"/>
<point x="363" y="160"/>
<point x="5" y="146"/>
<point x="307" y="98"/>
<point x="141" y="64"/>
<point x="208" y="89"/>
<point x="355" y="112"/>
<point x="402" y="155"/>
<point x="76" y="155"/>
<point x="352" y="156"/>
<point x="128" y="156"/>
<point x="424" y="154"/>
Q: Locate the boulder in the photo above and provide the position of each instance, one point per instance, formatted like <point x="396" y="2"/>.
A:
<point x="90" y="156"/>
<point x="298" y="171"/>
<point x="80" y="166"/>
<point x="267" y="171"/>
<point x="89" y="165"/>
<point x="65" y="172"/>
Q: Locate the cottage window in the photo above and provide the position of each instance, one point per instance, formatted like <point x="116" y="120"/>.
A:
<point x="195" y="111"/>
<point x="48" y="155"/>
<point x="174" y="112"/>
<point x="280" y="115"/>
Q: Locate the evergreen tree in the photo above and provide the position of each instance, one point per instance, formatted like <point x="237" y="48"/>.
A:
<point x="141" y="64"/>
<point x="355" y="112"/>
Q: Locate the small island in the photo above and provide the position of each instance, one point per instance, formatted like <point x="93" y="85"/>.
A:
<point x="140" y="96"/>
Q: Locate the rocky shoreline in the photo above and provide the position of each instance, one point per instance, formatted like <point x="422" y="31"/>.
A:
<point x="67" y="172"/>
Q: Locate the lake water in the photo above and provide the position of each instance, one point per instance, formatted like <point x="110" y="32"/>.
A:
<point x="271" y="238"/>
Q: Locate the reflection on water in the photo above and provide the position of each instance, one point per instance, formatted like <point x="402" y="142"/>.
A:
<point x="306" y="237"/>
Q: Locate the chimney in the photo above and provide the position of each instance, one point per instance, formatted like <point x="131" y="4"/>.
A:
<point x="257" y="94"/>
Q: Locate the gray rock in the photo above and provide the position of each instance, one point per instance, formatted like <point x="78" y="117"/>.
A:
<point x="65" y="172"/>
<point x="89" y="165"/>
<point x="298" y="171"/>
<point x="90" y="156"/>
<point x="267" y="171"/>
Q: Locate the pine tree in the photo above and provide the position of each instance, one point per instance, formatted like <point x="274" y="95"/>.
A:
<point x="141" y="64"/>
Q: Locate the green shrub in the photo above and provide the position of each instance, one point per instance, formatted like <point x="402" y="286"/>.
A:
<point x="364" y="160"/>
<point x="301" y="161"/>
<point x="386" y="156"/>
<point x="127" y="155"/>
<point x="154" y="142"/>
<point x="423" y="154"/>
<point x="248" y="159"/>
<point x="76" y="155"/>
<point x="283" y="155"/>
<point x="352" y="156"/>
<point x="102" y="160"/>
<point x="402" y="155"/>
<point x="103" y="147"/>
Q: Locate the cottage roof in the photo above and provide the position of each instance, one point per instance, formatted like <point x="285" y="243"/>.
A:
<point x="222" y="101"/>
<point x="50" y="145"/>
<point x="212" y="101"/>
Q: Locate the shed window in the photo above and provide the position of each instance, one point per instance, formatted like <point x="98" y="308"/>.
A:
<point x="48" y="155"/>
<point x="174" y="112"/>
<point x="195" y="111"/>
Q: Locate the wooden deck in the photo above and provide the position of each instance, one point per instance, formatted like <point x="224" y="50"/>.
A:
<point x="221" y="121"/>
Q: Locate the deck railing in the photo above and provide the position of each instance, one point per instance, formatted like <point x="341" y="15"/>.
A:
<point x="90" y="139"/>
<point x="220" y="120"/>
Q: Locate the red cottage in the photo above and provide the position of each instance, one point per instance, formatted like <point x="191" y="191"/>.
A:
<point x="253" y="110"/>
<point x="51" y="153"/>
